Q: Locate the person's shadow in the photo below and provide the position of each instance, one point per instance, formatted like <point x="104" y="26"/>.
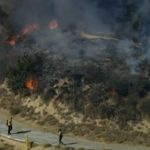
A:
<point x="22" y="132"/>
<point x="72" y="143"/>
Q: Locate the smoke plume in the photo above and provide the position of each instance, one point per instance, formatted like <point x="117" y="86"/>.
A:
<point x="60" y="24"/>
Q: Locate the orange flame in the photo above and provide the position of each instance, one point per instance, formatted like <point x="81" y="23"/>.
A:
<point x="53" y="25"/>
<point x="32" y="83"/>
<point x="12" y="40"/>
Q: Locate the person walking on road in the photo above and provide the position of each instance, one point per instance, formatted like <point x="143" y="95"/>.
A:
<point x="60" y="133"/>
<point x="9" y="125"/>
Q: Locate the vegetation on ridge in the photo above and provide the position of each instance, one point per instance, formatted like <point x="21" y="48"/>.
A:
<point x="105" y="88"/>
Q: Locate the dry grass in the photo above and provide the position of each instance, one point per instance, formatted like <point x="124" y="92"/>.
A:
<point x="106" y="129"/>
<point x="6" y="145"/>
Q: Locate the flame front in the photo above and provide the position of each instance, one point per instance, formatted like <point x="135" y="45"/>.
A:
<point x="26" y="30"/>
<point x="32" y="83"/>
<point x="32" y="27"/>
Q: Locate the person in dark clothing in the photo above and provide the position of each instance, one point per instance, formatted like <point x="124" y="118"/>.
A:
<point x="60" y="136"/>
<point x="9" y="125"/>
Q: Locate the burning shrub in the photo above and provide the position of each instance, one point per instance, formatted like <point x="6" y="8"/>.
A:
<point x="25" y="73"/>
<point x="32" y="82"/>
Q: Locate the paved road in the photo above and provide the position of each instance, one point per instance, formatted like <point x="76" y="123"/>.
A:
<point x="20" y="131"/>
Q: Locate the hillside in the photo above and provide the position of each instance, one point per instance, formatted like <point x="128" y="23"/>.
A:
<point x="84" y="67"/>
<point x="91" y="103"/>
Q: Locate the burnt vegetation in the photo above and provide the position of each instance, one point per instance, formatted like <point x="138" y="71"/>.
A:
<point x="112" y="83"/>
<point x="99" y="88"/>
<point x="25" y="66"/>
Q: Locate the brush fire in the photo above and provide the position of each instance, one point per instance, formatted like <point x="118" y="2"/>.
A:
<point x="28" y="29"/>
<point x="83" y="65"/>
<point x="32" y="83"/>
<point x="12" y="41"/>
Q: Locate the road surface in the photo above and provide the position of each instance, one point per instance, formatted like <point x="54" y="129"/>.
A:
<point x="20" y="131"/>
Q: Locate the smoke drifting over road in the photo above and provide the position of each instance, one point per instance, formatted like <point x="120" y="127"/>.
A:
<point x="59" y="25"/>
